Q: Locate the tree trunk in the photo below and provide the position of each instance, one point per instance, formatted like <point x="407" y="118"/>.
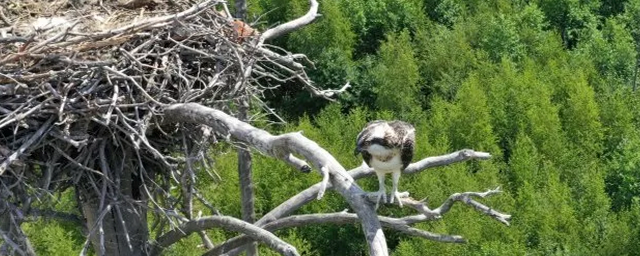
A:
<point x="246" y="182"/>
<point x="116" y="225"/>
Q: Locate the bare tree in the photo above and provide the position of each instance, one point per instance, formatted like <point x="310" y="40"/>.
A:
<point x="123" y="111"/>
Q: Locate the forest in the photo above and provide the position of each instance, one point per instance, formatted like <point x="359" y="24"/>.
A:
<point x="547" y="87"/>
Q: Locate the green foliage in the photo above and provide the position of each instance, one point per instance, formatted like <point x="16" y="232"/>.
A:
<point x="53" y="238"/>
<point x="530" y="23"/>
<point x="448" y="12"/>
<point x="329" y="43"/>
<point x="471" y="122"/>
<point x="570" y="17"/>
<point x="613" y="52"/>
<point x="445" y="57"/>
<point x="498" y="36"/>
<point x="580" y="114"/>
<point x="631" y="16"/>
<point x="373" y="20"/>
<point x="621" y="144"/>
<point x="396" y="75"/>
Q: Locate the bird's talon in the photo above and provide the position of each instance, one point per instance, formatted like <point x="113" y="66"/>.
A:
<point x="404" y="194"/>
<point x="398" y="195"/>
<point x="380" y="196"/>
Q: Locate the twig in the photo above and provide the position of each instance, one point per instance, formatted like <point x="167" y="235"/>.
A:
<point x="62" y="216"/>
<point x="142" y="90"/>
<point x="13" y="39"/>
<point x="4" y="18"/>
<point x="7" y="239"/>
<point x="466" y="198"/>
<point x="35" y="137"/>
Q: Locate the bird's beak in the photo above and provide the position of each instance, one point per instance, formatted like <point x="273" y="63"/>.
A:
<point x="357" y="151"/>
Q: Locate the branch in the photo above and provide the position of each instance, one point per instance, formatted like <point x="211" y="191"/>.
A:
<point x="4" y="17"/>
<point x="281" y="146"/>
<point x="247" y="194"/>
<point x="225" y="222"/>
<point x="292" y="143"/>
<point x="284" y="209"/>
<point x="291" y="25"/>
<point x="328" y="93"/>
<point x="401" y="225"/>
<point x="296" y="202"/>
<point x="458" y="156"/>
<point x="466" y="198"/>
<point x="10" y="231"/>
<point x="287" y="63"/>
<point x="35" y="137"/>
<point x="429" y="162"/>
<point x="61" y="216"/>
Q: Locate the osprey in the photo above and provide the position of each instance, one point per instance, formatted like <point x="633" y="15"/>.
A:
<point x="387" y="147"/>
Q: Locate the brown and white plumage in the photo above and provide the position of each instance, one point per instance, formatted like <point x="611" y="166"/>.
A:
<point x="387" y="147"/>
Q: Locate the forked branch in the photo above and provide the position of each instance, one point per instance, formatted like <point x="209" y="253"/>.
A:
<point x="466" y="198"/>
<point x="228" y="223"/>
<point x="296" y="202"/>
<point x="283" y="147"/>
<point x="402" y="225"/>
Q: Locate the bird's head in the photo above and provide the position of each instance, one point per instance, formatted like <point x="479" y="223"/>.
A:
<point x="374" y="133"/>
<point x="361" y="147"/>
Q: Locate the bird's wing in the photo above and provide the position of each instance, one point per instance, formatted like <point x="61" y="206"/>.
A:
<point x="407" y="134"/>
<point x="406" y="153"/>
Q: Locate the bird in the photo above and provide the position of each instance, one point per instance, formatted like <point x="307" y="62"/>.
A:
<point x="387" y="147"/>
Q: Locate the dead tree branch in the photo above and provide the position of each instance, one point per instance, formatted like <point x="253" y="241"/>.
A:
<point x="291" y="25"/>
<point x="402" y="225"/>
<point x="306" y="196"/>
<point x="282" y="146"/>
<point x="26" y="145"/>
<point x="467" y="199"/>
<point x="228" y="223"/>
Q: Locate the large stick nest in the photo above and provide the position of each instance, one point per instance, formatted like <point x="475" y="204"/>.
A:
<point x="83" y="86"/>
